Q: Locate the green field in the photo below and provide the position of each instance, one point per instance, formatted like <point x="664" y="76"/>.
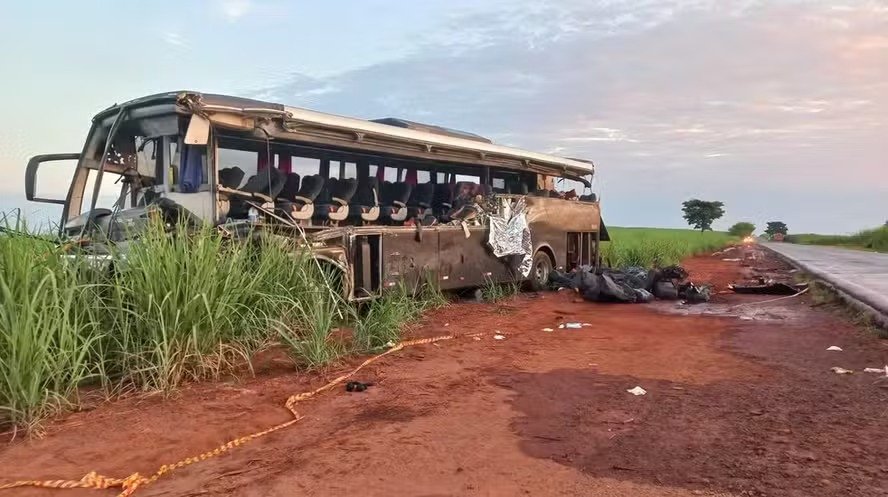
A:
<point x="874" y="239"/>
<point x="649" y="247"/>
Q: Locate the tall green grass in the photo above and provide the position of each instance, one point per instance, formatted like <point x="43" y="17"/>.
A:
<point x="650" y="247"/>
<point x="48" y="329"/>
<point x="873" y="239"/>
<point x="170" y="309"/>
<point x="381" y="323"/>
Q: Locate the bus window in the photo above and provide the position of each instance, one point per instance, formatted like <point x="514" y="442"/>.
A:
<point x="305" y="166"/>
<point x="423" y="177"/>
<point x="565" y="185"/>
<point x="334" y="169"/>
<point x="470" y="179"/>
<point x="109" y="190"/>
<point x="247" y="160"/>
<point x="350" y="170"/>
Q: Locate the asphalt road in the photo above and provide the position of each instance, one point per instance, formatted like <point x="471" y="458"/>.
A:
<point x="862" y="275"/>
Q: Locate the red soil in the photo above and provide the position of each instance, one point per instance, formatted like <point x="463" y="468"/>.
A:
<point x="733" y="407"/>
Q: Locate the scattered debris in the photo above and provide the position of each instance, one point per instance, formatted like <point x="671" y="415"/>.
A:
<point x="838" y="370"/>
<point x="747" y="318"/>
<point x="762" y="286"/>
<point x="643" y="296"/>
<point x="389" y="344"/>
<point x="637" y="391"/>
<point x="570" y="326"/>
<point x="586" y="325"/>
<point x="548" y="329"/>
<point x="733" y="259"/>
<point x="833" y="347"/>
<point x="499" y="337"/>
<point x="694" y="294"/>
<point x="476" y="338"/>
<point x="357" y="386"/>
<point x="665" y="290"/>
<point x="631" y="284"/>
<point x="877" y="370"/>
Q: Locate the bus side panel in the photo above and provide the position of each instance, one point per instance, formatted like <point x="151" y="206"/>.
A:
<point x="408" y="257"/>
<point x="467" y="262"/>
<point x="550" y="219"/>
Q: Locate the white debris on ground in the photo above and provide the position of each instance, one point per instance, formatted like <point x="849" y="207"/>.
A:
<point x="637" y="391"/>
<point x="877" y="370"/>
<point x="499" y="337"/>
<point x="570" y="326"/>
<point x="833" y="347"/>
<point x="838" y="370"/>
<point x="548" y="329"/>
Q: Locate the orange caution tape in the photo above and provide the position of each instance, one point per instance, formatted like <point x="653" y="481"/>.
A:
<point x="134" y="481"/>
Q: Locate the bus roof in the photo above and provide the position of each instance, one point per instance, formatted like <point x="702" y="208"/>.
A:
<point x="388" y="131"/>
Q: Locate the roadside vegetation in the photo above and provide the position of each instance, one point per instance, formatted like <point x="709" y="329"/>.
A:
<point x="649" y="247"/>
<point x="178" y="309"/>
<point x="873" y="239"/>
<point x="173" y="310"/>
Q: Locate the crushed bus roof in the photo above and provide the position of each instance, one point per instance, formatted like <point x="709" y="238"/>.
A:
<point x="393" y="131"/>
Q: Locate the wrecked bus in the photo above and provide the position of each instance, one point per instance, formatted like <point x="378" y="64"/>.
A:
<point x="382" y="201"/>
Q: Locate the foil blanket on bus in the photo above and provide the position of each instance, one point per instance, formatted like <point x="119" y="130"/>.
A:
<point x="510" y="234"/>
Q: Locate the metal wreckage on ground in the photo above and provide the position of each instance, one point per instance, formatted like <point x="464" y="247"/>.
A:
<point x="383" y="202"/>
<point x="632" y="284"/>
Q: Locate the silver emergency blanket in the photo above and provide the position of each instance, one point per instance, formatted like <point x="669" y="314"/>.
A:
<point x="510" y="234"/>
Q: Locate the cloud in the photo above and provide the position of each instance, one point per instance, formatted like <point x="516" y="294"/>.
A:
<point x="175" y="39"/>
<point x="233" y="10"/>
<point x="653" y="92"/>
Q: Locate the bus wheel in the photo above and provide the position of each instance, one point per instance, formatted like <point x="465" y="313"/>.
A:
<point x="540" y="271"/>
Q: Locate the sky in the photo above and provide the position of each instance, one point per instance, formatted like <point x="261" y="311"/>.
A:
<point x="777" y="108"/>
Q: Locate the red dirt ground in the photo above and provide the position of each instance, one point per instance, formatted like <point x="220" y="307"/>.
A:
<point x="734" y="407"/>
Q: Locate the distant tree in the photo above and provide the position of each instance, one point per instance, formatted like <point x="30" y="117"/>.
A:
<point x="742" y="229"/>
<point x="701" y="213"/>
<point x="775" y="227"/>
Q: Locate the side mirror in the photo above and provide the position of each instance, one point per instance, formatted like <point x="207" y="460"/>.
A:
<point x="31" y="175"/>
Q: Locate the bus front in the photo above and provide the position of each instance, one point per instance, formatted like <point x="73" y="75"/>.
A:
<point x="136" y="154"/>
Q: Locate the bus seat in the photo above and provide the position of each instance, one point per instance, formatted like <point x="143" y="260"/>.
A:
<point x="231" y="177"/>
<point x="291" y="187"/>
<point x="484" y="190"/>
<point x="516" y="187"/>
<point x="296" y="202"/>
<point x="341" y="192"/>
<point x="394" y="205"/>
<point x="261" y="188"/>
<point x="420" y="203"/>
<point x="267" y="184"/>
<point x="442" y="201"/>
<point x="589" y="198"/>
<point x="365" y="203"/>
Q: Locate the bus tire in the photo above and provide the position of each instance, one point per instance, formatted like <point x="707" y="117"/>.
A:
<point x="540" y="270"/>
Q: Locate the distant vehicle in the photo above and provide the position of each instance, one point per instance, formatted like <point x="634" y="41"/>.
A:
<point x="382" y="201"/>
